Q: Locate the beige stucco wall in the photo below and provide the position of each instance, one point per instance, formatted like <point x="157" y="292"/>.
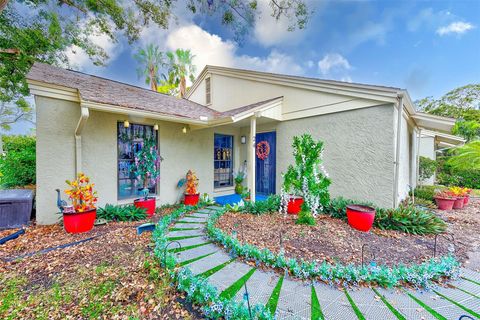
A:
<point x="56" y="122"/>
<point x="358" y="154"/>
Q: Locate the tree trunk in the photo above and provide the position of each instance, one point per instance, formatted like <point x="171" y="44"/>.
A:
<point x="183" y="87"/>
<point x="153" y="82"/>
<point x="3" y="4"/>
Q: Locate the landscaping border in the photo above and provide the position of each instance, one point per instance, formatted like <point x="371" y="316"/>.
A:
<point x="418" y="275"/>
<point x="196" y="287"/>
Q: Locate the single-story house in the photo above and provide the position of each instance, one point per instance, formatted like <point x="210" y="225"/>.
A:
<point x="89" y="124"/>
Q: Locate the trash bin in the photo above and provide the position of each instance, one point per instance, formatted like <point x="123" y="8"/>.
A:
<point x="15" y="207"/>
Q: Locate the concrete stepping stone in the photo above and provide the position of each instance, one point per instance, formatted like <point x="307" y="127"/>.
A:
<point x="333" y="303"/>
<point x="203" y="265"/>
<point x="192" y="253"/>
<point x="185" y="233"/>
<point x="260" y="287"/>
<point x="404" y="304"/>
<point x="371" y="305"/>
<point x="195" y="220"/>
<point x="225" y="277"/>
<point x="468" y="286"/>
<point x="466" y="300"/>
<point x="191" y="241"/>
<point x="188" y="225"/>
<point x="294" y="301"/>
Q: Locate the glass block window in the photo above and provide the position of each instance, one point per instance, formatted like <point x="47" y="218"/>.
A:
<point x="223" y="161"/>
<point x="130" y="140"/>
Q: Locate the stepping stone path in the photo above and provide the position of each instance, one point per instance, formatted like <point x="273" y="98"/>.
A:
<point x="289" y="298"/>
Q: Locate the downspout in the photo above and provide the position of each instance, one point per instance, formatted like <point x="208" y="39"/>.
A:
<point x="397" y="153"/>
<point x="417" y="173"/>
<point x="84" y="114"/>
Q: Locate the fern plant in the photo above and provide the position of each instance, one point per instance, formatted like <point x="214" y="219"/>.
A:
<point x="121" y="213"/>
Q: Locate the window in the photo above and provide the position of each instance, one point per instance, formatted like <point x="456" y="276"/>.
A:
<point x="130" y="140"/>
<point x="208" y="90"/>
<point x="223" y="161"/>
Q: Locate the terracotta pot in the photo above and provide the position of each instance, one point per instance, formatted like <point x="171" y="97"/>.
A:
<point x="79" y="222"/>
<point x="149" y="205"/>
<point x="445" y="203"/>
<point x="294" y="205"/>
<point x="191" y="199"/>
<point x="466" y="200"/>
<point x="459" y="203"/>
<point x="360" y="217"/>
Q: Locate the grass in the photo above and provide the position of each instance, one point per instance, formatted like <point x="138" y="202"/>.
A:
<point x="182" y="229"/>
<point x="175" y="250"/>
<point x="357" y="311"/>
<point x="389" y="306"/>
<point x="189" y="222"/>
<point x="231" y="291"/>
<point x="273" y="300"/>
<point x="316" y="310"/>
<point x="183" y="237"/>
<point x="184" y="263"/>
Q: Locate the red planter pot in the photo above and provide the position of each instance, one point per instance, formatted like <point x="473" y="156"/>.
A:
<point x="191" y="199"/>
<point x="360" y="217"/>
<point x="466" y="200"/>
<point x="459" y="203"/>
<point x="444" y="203"/>
<point x="149" y="205"/>
<point x="79" y="222"/>
<point x="294" y="205"/>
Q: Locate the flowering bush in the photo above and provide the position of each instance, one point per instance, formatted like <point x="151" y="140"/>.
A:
<point x="417" y="275"/>
<point x="191" y="183"/>
<point x="197" y="288"/>
<point x="147" y="165"/>
<point x="81" y="193"/>
<point x="458" y="191"/>
<point x="308" y="178"/>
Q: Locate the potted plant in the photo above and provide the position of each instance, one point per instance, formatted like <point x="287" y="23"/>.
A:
<point x="360" y="217"/>
<point x="460" y="194"/>
<point x="146" y="168"/>
<point x="444" y="200"/>
<point x="80" y="216"/>
<point x="245" y="195"/>
<point x="238" y="177"/>
<point x="306" y="183"/>
<point x="191" y="193"/>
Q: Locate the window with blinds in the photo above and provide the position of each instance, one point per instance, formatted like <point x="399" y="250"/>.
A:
<point x="208" y="94"/>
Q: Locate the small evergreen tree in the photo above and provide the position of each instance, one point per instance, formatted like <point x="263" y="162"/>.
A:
<point x="308" y="177"/>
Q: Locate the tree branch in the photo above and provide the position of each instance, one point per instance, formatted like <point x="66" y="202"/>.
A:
<point x="11" y="50"/>
<point x="3" y="4"/>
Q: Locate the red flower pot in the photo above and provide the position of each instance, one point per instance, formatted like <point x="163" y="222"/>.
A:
<point x="466" y="200"/>
<point x="445" y="203"/>
<point x="79" y="221"/>
<point x="294" y="205"/>
<point x="360" y="217"/>
<point x="191" y="199"/>
<point x="459" y="203"/>
<point x="149" y="205"/>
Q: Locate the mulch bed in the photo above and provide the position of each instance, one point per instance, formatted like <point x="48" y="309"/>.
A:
<point x="334" y="240"/>
<point x="117" y="246"/>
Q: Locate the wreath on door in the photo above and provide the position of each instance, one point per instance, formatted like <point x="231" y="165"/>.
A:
<point x="263" y="150"/>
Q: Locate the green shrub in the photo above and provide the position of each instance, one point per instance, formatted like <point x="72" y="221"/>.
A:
<point x="17" y="164"/>
<point x="271" y="204"/>
<point x="449" y="176"/>
<point x="427" y="168"/>
<point x="409" y="219"/>
<point x="425" y="192"/>
<point x="121" y="213"/>
<point x="305" y="217"/>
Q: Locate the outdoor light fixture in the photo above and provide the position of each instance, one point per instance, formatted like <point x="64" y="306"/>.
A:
<point x="155" y="127"/>
<point x="184" y="129"/>
<point x="126" y="124"/>
<point x="243" y="139"/>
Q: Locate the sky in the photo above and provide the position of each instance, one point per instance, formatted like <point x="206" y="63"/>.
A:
<point x="426" y="47"/>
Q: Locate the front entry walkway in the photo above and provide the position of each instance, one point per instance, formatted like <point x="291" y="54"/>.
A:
<point x="231" y="199"/>
<point x="293" y="299"/>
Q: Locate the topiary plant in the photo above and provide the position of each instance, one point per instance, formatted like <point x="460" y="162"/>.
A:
<point x="307" y="178"/>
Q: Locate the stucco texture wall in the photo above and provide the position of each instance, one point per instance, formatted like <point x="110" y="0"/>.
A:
<point x="56" y="122"/>
<point x="359" y="151"/>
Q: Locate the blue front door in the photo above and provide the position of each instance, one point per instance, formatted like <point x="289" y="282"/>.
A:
<point x="266" y="147"/>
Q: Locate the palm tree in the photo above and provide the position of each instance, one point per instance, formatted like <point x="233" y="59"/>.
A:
<point x="467" y="157"/>
<point x="150" y="60"/>
<point x="180" y="66"/>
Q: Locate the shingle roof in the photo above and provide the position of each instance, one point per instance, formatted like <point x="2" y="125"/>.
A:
<point x="101" y="90"/>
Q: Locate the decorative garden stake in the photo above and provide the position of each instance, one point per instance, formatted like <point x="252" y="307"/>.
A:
<point x="451" y="245"/>
<point x="247" y="298"/>
<point x="165" y="252"/>
<point x="465" y="317"/>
